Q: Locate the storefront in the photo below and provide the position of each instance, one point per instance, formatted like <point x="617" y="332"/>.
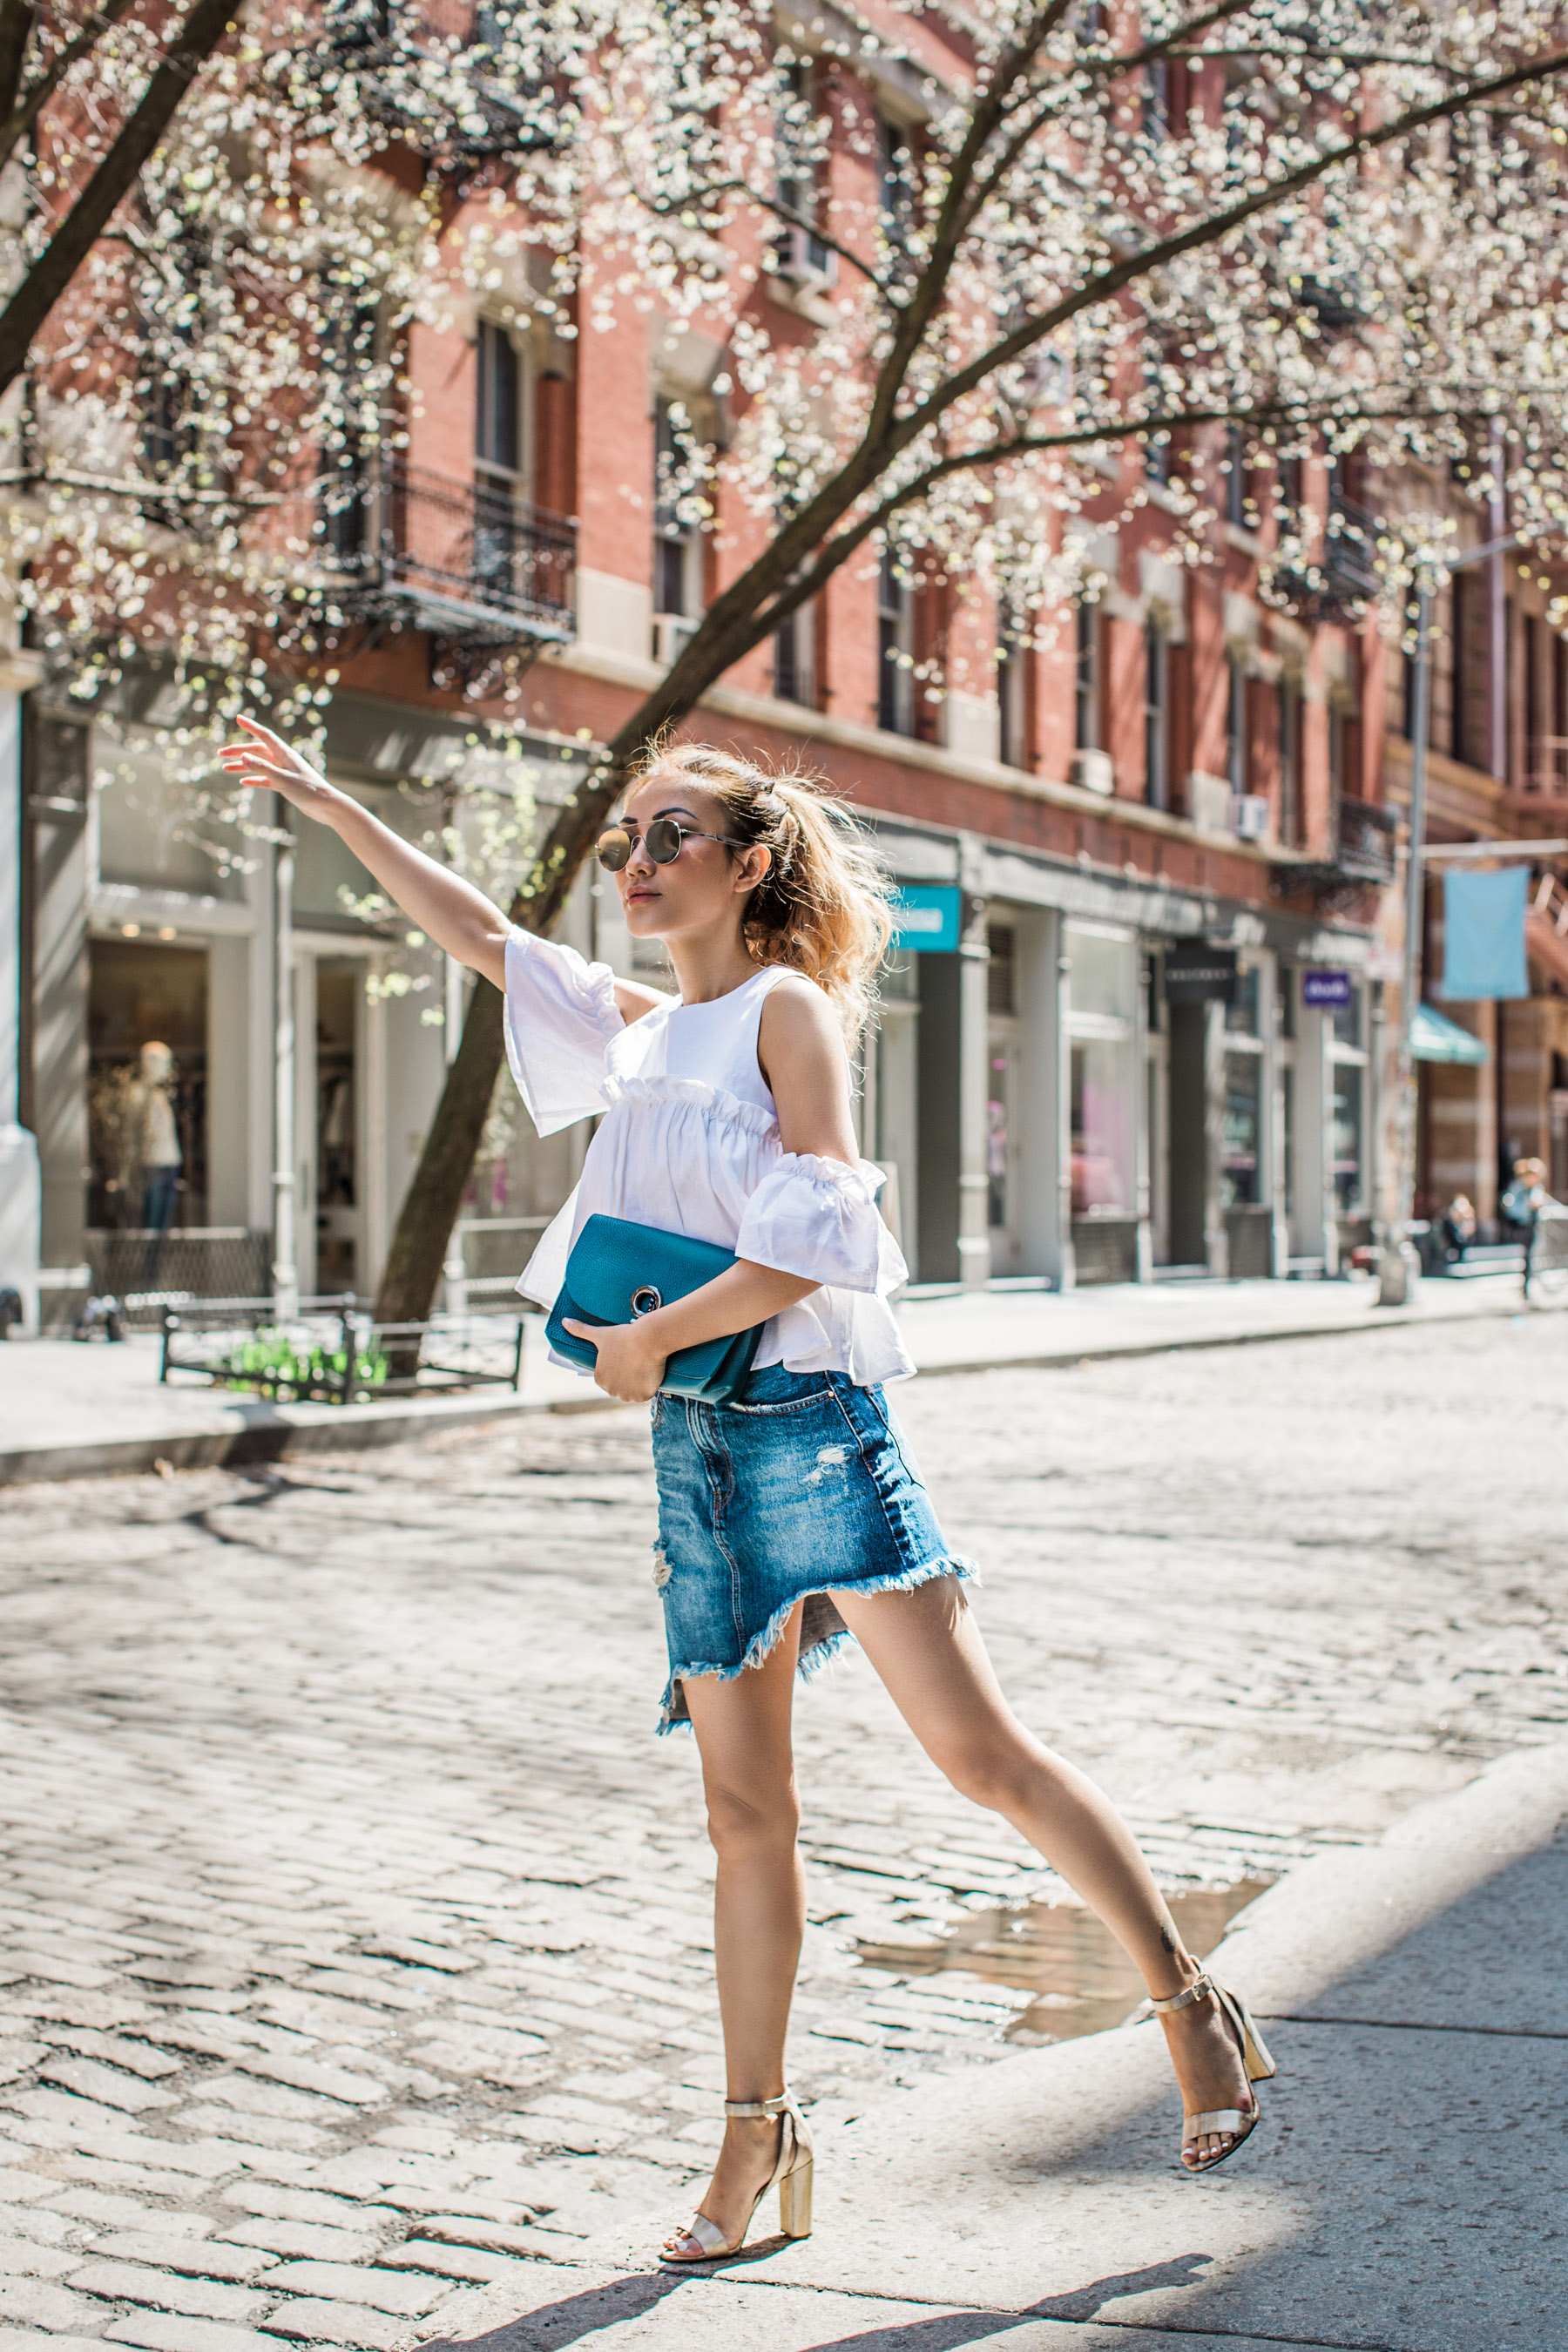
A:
<point x="1140" y="1090"/>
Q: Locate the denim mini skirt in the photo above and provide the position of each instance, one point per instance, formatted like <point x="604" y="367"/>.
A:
<point x="802" y="1488"/>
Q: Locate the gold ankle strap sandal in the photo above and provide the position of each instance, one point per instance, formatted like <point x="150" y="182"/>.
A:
<point x="704" y="2241"/>
<point x="1240" y="2122"/>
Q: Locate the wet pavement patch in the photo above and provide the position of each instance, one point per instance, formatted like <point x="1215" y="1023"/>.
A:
<point x="1081" y="1980"/>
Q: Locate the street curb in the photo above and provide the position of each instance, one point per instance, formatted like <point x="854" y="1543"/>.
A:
<point x="279" y="1441"/>
<point x="1391" y="1319"/>
<point x="346" y="1429"/>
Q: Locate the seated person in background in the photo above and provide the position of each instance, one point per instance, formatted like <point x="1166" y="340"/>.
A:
<point x="1457" y="1227"/>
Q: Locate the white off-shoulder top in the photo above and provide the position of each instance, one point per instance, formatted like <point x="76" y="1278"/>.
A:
<point x="689" y="1142"/>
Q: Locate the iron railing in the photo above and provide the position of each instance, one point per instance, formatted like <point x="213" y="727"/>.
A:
<point x="466" y="560"/>
<point x="332" y="1352"/>
<point x="1350" y="551"/>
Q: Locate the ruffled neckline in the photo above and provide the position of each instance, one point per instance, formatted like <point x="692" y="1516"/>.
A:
<point x="717" y="1101"/>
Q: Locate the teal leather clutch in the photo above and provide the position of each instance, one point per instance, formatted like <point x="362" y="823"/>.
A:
<point x="617" y="1270"/>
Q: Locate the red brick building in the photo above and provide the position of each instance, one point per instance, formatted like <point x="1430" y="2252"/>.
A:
<point x="1089" y="810"/>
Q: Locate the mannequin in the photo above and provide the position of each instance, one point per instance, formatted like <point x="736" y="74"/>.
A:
<point x="157" y="1137"/>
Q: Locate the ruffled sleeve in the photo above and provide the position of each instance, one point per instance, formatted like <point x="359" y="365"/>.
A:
<point x="560" y="1015"/>
<point x="819" y="1219"/>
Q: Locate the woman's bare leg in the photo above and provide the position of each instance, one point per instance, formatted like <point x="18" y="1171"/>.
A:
<point x="759" y="1903"/>
<point x="927" y="1649"/>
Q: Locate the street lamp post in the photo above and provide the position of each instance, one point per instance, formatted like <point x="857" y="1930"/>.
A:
<point x="285" y="1272"/>
<point x="1398" y="1266"/>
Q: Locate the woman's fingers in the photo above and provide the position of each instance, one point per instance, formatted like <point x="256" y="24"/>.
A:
<point x="580" y="1330"/>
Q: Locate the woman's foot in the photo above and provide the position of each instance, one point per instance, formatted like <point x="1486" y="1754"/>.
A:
<point x="1209" y="2070"/>
<point x="746" y="2166"/>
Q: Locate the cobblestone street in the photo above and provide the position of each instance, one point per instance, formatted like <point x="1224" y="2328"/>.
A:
<point x="355" y="1922"/>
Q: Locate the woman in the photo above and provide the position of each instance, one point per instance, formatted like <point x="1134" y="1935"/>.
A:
<point x="792" y="1518"/>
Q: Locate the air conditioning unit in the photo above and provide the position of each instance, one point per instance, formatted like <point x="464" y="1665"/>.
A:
<point x="805" y="263"/>
<point x="672" y="633"/>
<point x="1092" y="771"/>
<point x="1249" y="817"/>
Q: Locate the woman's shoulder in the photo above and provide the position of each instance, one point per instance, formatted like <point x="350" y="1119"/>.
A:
<point x="799" y="1017"/>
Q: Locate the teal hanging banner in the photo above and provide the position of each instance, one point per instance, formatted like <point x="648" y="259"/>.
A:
<point x="926" y="916"/>
<point x="1483" y="935"/>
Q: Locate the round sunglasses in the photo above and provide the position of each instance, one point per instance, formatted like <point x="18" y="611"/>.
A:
<point x="662" y="841"/>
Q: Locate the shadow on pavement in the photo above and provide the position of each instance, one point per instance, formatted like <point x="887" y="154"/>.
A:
<point x="568" y="2321"/>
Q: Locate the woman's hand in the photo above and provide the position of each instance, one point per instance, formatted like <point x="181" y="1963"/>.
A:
<point x="628" y="1366"/>
<point x="270" y="764"/>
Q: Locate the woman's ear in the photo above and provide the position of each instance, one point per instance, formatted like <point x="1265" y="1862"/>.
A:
<point x="752" y="869"/>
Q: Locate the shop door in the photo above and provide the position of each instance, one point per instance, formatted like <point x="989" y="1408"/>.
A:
<point x="337" y="1207"/>
<point x="1188" y="1100"/>
<point x="1002" y="1155"/>
<point x="1157" y="1134"/>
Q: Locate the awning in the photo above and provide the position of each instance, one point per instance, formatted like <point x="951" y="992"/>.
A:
<point x="1432" y="1038"/>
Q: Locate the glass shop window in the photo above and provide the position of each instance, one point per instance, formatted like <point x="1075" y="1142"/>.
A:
<point x="142" y="993"/>
<point x="1349" y="1098"/>
<point x="1241" y="1161"/>
<point x="1102" y="1127"/>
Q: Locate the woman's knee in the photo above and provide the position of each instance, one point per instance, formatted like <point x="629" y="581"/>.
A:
<point x="752" y="1818"/>
<point x="997" y="1769"/>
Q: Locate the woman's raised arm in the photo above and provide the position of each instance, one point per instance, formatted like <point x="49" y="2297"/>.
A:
<point x="446" y="909"/>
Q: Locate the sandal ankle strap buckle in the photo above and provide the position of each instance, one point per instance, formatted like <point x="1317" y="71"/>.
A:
<point x="1199" y="1989"/>
<point x="758" y="2110"/>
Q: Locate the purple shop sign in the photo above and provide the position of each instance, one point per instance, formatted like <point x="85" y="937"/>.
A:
<point x="1325" y="988"/>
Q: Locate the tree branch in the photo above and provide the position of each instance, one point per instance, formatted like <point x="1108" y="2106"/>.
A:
<point x="30" y="304"/>
<point x="25" y="108"/>
<point x="1211" y="230"/>
<point x="17" y="21"/>
<point x="785" y="213"/>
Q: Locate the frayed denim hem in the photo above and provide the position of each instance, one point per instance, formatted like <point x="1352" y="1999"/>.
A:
<point x="823" y="1651"/>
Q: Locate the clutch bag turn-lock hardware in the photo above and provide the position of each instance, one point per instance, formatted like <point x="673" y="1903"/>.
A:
<point x="607" y="1283"/>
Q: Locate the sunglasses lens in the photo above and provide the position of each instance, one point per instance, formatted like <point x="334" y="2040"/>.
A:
<point x="663" y="840"/>
<point x="613" y="848"/>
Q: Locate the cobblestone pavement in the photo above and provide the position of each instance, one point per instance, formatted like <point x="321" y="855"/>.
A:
<point x="355" y="1932"/>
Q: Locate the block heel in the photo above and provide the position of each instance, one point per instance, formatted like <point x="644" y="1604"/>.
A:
<point x="791" y="2176"/>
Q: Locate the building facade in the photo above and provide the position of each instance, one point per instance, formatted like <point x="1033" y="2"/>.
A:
<point x="1141" y="1017"/>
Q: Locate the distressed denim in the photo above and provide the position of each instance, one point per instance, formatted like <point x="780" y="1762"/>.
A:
<point x="803" y="1489"/>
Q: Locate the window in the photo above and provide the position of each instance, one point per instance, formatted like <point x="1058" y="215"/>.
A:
<point x="1235" y="476"/>
<point x="1349" y="1087"/>
<point x="795" y="665"/>
<point x="678" y="544"/>
<point x="1347" y="1059"/>
<point x="1291" y="487"/>
<point x="1289" y="725"/>
<point x="1241" y="1174"/>
<point x="1235" y="762"/>
<point x="797" y="144"/>
<point x="1241" y="1153"/>
<point x="1001" y="992"/>
<point x="1102" y="994"/>
<point x="1085" y="680"/>
<point x="895" y="664"/>
<point x="497" y="459"/>
<point x="1157" y="100"/>
<point x="1535" y="665"/>
<point x="497" y="416"/>
<point x="1013" y="700"/>
<point x="1156" y="715"/>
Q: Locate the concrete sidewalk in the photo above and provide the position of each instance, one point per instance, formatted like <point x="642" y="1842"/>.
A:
<point x="1403" y="2193"/>
<point x="71" y="1410"/>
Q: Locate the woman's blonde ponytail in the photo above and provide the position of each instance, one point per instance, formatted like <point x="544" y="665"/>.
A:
<point x="823" y="907"/>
